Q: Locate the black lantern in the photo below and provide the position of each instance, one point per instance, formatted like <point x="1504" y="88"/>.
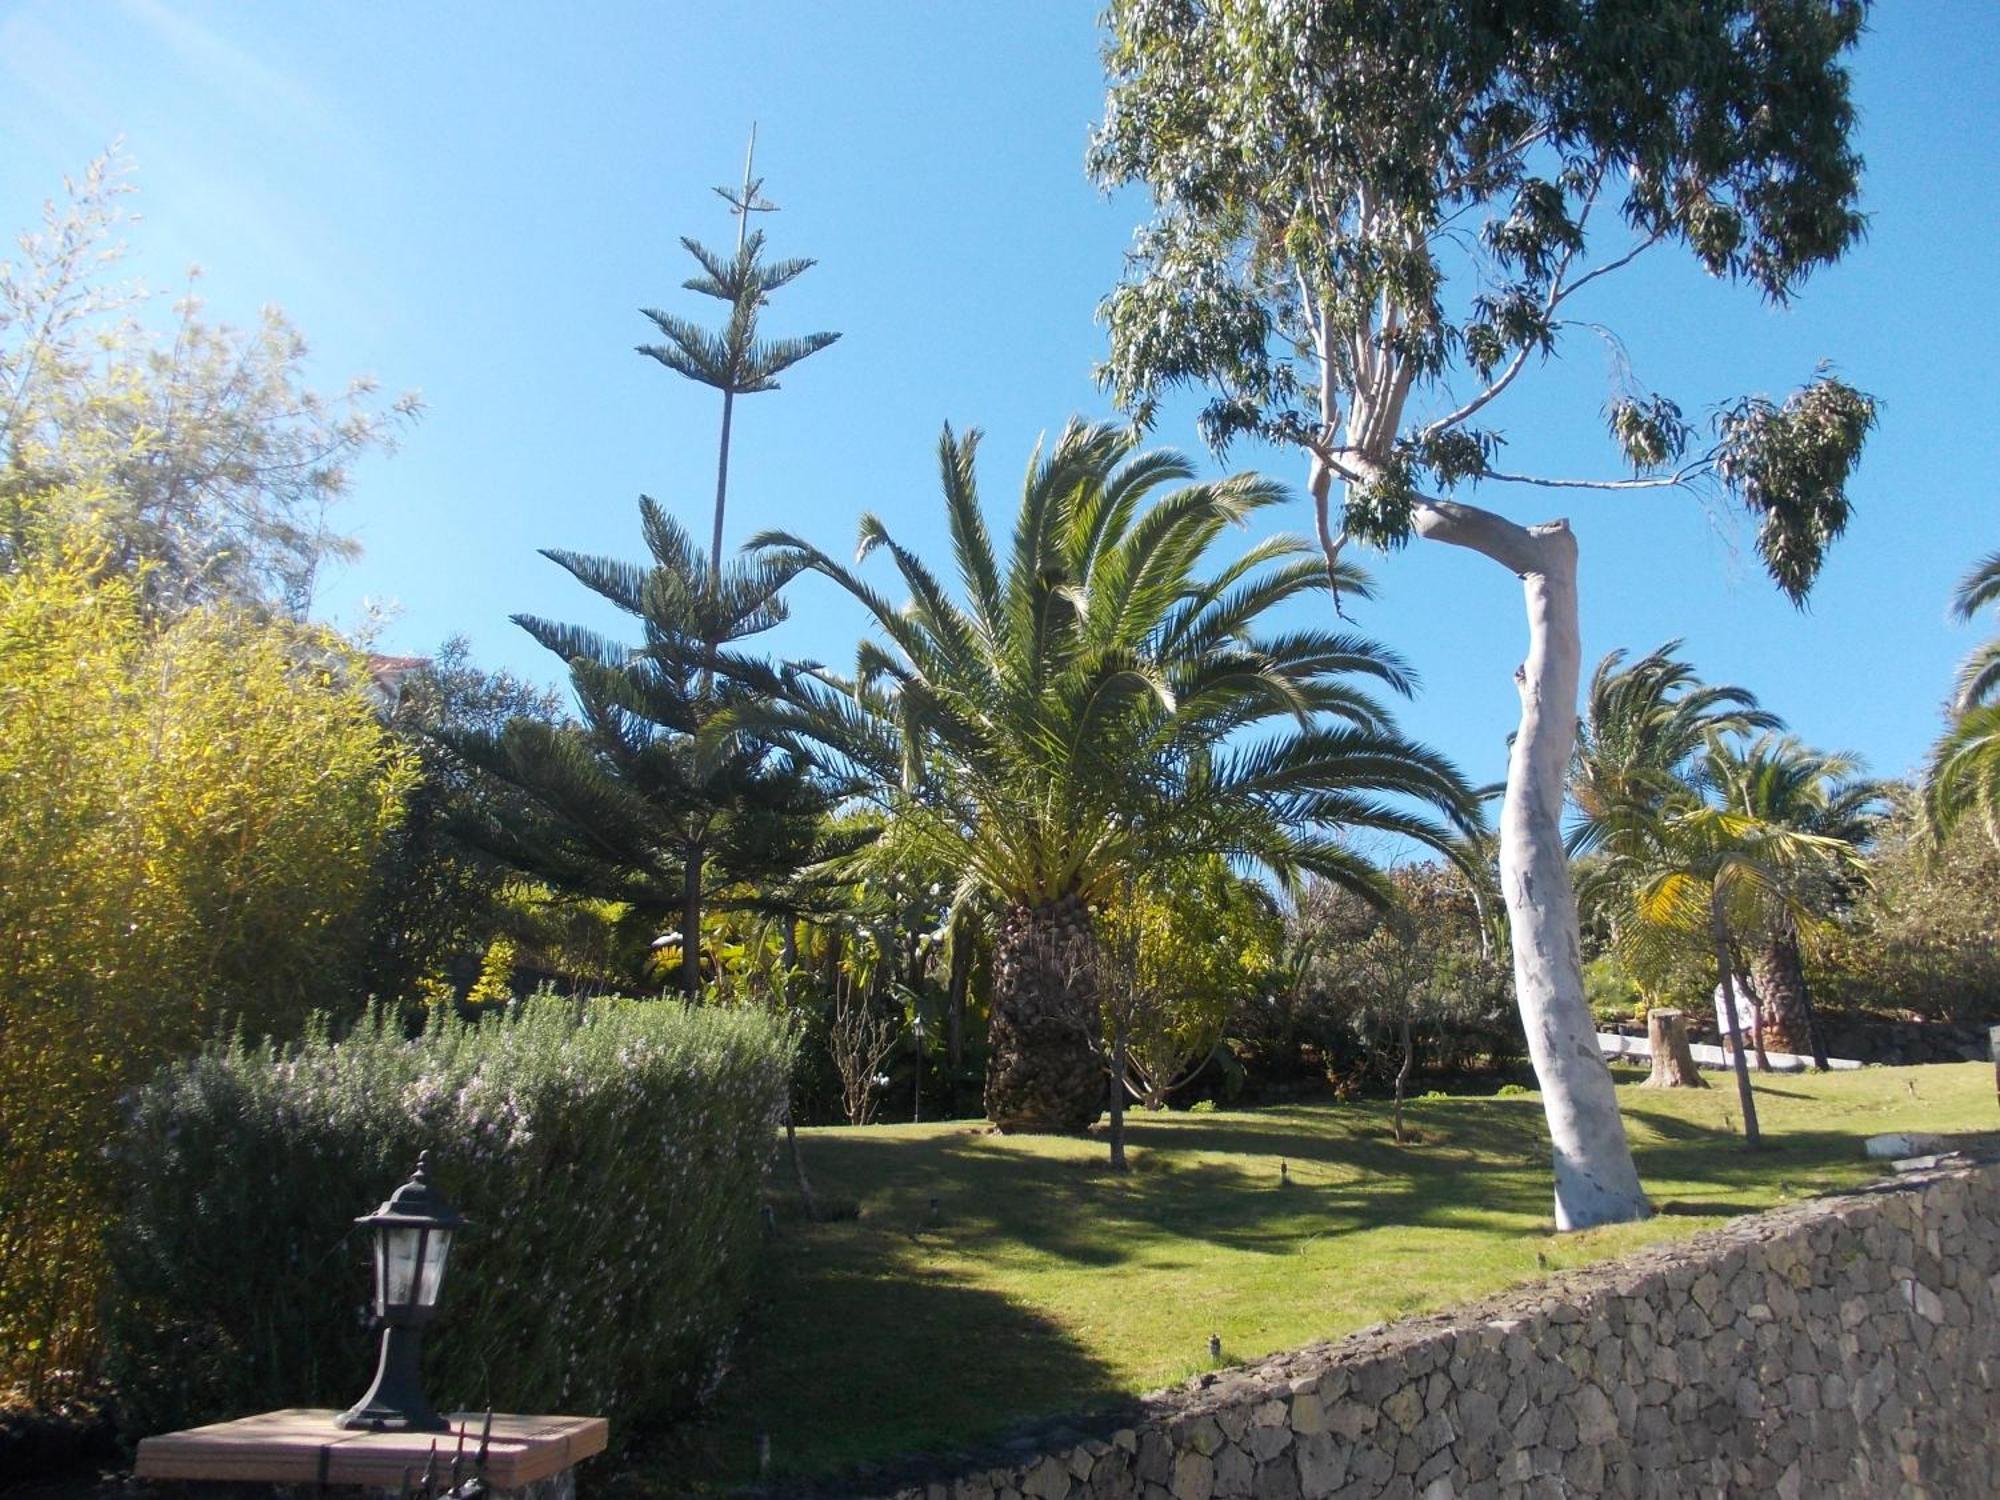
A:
<point x="413" y="1233"/>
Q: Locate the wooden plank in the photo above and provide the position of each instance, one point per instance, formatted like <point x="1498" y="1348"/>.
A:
<point x="302" y="1446"/>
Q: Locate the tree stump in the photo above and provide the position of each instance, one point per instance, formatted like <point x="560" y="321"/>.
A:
<point x="1673" y="1062"/>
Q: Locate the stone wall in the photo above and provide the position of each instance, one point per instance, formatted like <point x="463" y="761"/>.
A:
<point x="1845" y="1347"/>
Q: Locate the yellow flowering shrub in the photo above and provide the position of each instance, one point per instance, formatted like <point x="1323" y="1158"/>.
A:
<point x="190" y="816"/>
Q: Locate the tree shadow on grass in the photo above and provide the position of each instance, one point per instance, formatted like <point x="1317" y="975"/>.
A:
<point x="1344" y="1178"/>
<point x="868" y="1382"/>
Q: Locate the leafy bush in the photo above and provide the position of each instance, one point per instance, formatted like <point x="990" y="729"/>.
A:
<point x="1368" y="990"/>
<point x="1614" y="996"/>
<point x="1922" y="938"/>
<point x="191" y="816"/>
<point x="609" y="1154"/>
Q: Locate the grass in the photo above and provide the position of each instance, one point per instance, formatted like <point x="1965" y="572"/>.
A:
<point x="1047" y="1284"/>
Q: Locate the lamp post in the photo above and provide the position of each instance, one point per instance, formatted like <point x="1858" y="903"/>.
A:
<point x="413" y="1232"/>
<point x="917" y="1101"/>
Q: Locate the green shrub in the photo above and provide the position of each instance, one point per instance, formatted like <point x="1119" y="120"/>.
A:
<point x="609" y="1154"/>
<point x="191" y="820"/>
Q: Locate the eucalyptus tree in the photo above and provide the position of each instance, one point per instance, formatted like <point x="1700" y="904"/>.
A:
<point x="1373" y="217"/>
<point x="620" y="806"/>
<point x="1099" y="704"/>
<point x="734" y="361"/>
<point x="1964" y="772"/>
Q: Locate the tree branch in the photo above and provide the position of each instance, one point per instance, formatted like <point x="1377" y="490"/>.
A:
<point x="1679" y="479"/>
<point x="1520" y="549"/>
<point x="1557" y="291"/>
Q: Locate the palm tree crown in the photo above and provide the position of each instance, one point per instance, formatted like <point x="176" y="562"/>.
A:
<point x="1979" y="677"/>
<point x="1964" y="772"/>
<point x="1100" y="703"/>
<point x="1643" y="735"/>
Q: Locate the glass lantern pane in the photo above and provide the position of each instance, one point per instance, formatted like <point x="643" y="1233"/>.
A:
<point x="381" y="1273"/>
<point x="403" y="1247"/>
<point x="435" y="1252"/>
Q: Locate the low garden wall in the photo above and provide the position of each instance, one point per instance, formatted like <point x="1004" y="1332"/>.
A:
<point x="1845" y="1347"/>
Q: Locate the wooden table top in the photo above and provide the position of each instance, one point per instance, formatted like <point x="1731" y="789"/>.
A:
<point x="302" y="1446"/>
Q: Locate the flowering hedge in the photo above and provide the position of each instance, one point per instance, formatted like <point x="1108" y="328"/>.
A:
<point x="609" y="1154"/>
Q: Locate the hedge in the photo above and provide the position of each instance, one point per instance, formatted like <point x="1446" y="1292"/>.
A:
<point x="610" y="1155"/>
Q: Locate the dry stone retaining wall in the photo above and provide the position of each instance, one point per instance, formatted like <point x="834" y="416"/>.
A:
<point x="1845" y="1347"/>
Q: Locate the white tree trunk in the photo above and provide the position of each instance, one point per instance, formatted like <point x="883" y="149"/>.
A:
<point x="1595" y="1179"/>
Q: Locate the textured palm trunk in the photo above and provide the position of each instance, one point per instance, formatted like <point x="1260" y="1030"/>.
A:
<point x="1673" y="1058"/>
<point x="1044" y="1074"/>
<point x="1789" y="1024"/>
<point x="1595" y="1179"/>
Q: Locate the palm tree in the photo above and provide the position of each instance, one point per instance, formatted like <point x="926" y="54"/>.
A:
<point x="1097" y="707"/>
<point x="1964" y="772"/>
<point x="1785" y="784"/>
<point x="1644" y="730"/>
<point x="1697" y="873"/>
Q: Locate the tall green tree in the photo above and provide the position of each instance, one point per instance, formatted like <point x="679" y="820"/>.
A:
<point x="1708" y="871"/>
<point x="1963" y="776"/>
<point x="191" y="834"/>
<point x="1645" y="727"/>
<point x="1098" y="704"/>
<point x="734" y="361"/>
<point x="1373" y="217"/>
<point x="618" y="806"/>
<point x="1781" y="783"/>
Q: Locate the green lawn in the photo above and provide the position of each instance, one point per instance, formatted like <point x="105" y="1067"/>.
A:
<point x="1049" y="1284"/>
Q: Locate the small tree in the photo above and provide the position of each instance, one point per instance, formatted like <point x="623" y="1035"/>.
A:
<point x="1693" y="872"/>
<point x="1779" y="782"/>
<point x="1193" y="941"/>
<point x="1416" y="973"/>
<point x="1373" y="217"/>
<point x="1921" y="938"/>
<point x="859" y="1038"/>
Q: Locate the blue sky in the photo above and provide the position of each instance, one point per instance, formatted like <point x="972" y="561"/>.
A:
<point x="475" y="200"/>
